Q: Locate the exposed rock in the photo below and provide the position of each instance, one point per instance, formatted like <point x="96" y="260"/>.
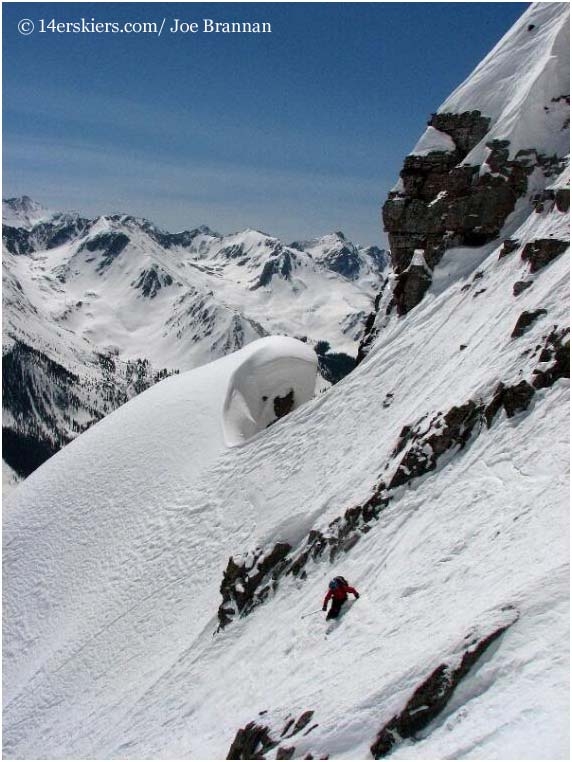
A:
<point x="466" y="129"/>
<point x="151" y="281"/>
<point x="541" y="252"/>
<point x="370" y="333"/>
<point x="279" y="266"/>
<point x="17" y="240"/>
<point x="509" y="245"/>
<point x="562" y="198"/>
<point x="254" y="741"/>
<point x="345" y="261"/>
<point x="520" y="286"/>
<point x="244" y="586"/>
<point x="283" y="405"/>
<point x="289" y="723"/>
<point x="555" y="350"/>
<point x="443" y="433"/>
<point x="303" y="721"/>
<point x="299" y="725"/>
<point x="525" y="320"/>
<point x="444" y="203"/>
<point x="514" y="399"/>
<point x="44" y="235"/>
<point x="251" y="742"/>
<point x="110" y="246"/>
<point x="432" y="696"/>
<point x="410" y="288"/>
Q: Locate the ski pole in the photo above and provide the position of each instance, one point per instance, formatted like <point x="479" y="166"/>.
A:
<point x="317" y="611"/>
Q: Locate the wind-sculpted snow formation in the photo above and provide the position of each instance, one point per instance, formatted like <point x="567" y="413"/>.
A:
<point x="276" y="377"/>
<point x="156" y="578"/>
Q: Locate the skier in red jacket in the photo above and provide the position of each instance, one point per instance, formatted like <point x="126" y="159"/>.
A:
<point x="338" y="591"/>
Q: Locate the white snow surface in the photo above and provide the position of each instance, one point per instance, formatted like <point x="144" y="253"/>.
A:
<point x="433" y="140"/>
<point x="521" y="85"/>
<point x="272" y="368"/>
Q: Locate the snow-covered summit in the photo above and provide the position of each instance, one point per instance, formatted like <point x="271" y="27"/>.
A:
<point x="23" y="212"/>
<point x="342" y="256"/>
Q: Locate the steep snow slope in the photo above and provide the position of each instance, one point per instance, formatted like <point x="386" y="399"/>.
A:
<point x="435" y="477"/>
<point x="527" y="101"/>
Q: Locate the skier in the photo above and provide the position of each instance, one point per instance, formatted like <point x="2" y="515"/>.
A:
<point x="338" y="591"/>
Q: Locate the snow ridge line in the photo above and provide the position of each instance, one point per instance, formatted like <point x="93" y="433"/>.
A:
<point x="422" y="448"/>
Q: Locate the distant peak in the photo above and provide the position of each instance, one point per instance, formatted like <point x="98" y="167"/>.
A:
<point x="23" y="212"/>
<point x="23" y="202"/>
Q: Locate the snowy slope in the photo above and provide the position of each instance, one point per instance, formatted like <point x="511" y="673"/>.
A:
<point x="520" y="86"/>
<point x="435" y="477"/>
<point x="515" y="97"/>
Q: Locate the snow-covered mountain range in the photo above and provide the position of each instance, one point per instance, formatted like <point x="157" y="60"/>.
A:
<point x="164" y="572"/>
<point x="96" y="310"/>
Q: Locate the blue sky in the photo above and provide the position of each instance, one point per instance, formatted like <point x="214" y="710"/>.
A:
<point x="297" y="133"/>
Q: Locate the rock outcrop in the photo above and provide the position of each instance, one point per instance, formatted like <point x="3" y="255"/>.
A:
<point x="541" y="252"/>
<point x="247" y="583"/>
<point x="442" y="202"/>
<point x="254" y="740"/>
<point x="251" y="742"/>
<point x="525" y="320"/>
<point x="432" y="696"/>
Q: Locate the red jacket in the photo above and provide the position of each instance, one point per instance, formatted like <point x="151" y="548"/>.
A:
<point x="340" y="593"/>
